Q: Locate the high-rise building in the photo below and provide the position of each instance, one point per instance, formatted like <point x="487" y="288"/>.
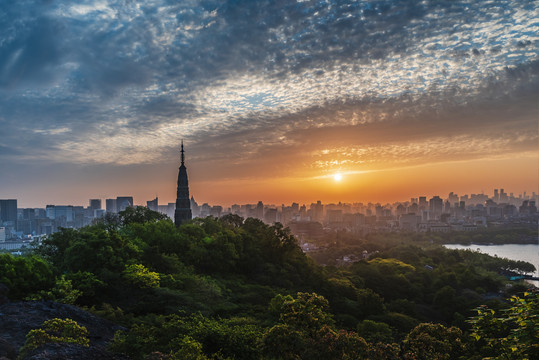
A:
<point x="317" y="211"/>
<point x="171" y="209"/>
<point x="409" y="222"/>
<point x="503" y="196"/>
<point x="182" y="213"/>
<point x="270" y="216"/>
<point x="8" y="212"/>
<point x="110" y="205"/>
<point x="123" y="202"/>
<point x="422" y="203"/>
<point x="216" y="211"/>
<point x="26" y="221"/>
<point x="413" y="209"/>
<point x="447" y="207"/>
<point x="436" y="205"/>
<point x="260" y="210"/>
<point x="153" y="204"/>
<point x="236" y="209"/>
<point x="453" y="198"/>
<point x="60" y="211"/>
<point x="95" y="204"/>
<point x="8" y="217"/>
<point x="195" y="209"/>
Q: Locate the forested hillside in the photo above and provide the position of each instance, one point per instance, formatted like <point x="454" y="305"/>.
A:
<point x="234" y="288"/>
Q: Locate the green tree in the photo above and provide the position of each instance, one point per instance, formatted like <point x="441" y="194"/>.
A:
<point x="341" y="344"/>
<point x="161" y="237"/>
<point x="369" y="302"/>
<point x="55" y="331"/>
<point x="140" y="276"/>
<point x="25" y="275"/>
<point x="53" y="247"/>
<point x="306" y="331"/>
<point x="383" y="351"/>
<point x="512" y="333"/>
<point x="308" y="311"/>
<point x="194" y="336"/>
<point x="374" y="331"/>
<point x="91" y="249"/>
<point x="87" y="283"/>
<point x="285" y="342"/>
<point x="445" y="297"/>
<point x="187" y="349"/>
<point x="433" y="342"/>
<point x="62" y="291"/>
<point x="140" y="215"/>
<point x="232" y="220"/>
<point x="110" y="221"/>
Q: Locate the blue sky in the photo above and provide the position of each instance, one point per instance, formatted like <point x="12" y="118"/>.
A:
<point x="96" y="95"/>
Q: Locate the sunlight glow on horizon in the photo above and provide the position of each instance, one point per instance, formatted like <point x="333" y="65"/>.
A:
<point x="316" y="106"/>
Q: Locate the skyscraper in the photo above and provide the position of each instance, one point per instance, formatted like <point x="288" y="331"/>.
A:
<point x="123" y="202"/>
<point x="183" y="203"/>
<point x="436" y="206"/>
<point x="153" y="204"/>
<point x="95" y="204"/>
<point x="110" y="205"/>
<point x="8" y="214"/>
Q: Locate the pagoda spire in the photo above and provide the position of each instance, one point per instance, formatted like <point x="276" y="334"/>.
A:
<point x="182" y="152"/>
<point x="182" y="212"/>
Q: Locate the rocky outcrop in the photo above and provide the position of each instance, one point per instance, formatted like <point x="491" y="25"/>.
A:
<point x="7" y="350"/>
<point x="18" y="318"/>
<point x="70" y="351"/>
<point x="4" y="290"/>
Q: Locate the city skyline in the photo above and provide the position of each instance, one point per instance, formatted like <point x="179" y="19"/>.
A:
<point x="273" y="99"/>
<point x="515" y="198"/>
<point x="467" y="212"/>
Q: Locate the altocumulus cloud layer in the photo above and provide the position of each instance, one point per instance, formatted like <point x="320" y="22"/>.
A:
<point x="348" y="84"/>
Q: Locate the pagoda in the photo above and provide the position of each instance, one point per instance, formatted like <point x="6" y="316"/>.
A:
<point x="182" y="213"/>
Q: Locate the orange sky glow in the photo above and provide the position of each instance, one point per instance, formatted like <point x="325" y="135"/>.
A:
<point x="402" y="98"/>
<point x="389" y="185"/>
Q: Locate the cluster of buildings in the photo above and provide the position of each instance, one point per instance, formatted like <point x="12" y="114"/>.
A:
<point x="23" y="223"/>
<point x="436" y="214"/>
<point x="421" y="214"/>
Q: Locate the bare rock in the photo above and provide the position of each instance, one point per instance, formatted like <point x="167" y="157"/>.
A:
<point x="71" y="351"/>
<point x="18" y="318"/>
<point x="7" y="350"/>
<point x="3" y="293"/>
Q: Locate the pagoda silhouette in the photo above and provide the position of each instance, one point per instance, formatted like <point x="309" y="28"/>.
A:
<point x="182" y="213"/>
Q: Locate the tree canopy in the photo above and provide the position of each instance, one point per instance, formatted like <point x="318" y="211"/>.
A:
<point x="240" y="289"/>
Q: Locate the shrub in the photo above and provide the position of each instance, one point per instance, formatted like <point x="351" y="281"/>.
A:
<point x="55" y="331"/>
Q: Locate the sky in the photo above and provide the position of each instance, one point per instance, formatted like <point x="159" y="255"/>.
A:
<point x="271" y="98"/>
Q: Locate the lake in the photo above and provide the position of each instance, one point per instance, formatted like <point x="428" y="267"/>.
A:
<point x="528" y="253"/>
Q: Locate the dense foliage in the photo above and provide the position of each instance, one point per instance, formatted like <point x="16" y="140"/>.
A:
<point x="511" y="333"/>
<point x="231" y="288"/>
<point x="55" y="331"/>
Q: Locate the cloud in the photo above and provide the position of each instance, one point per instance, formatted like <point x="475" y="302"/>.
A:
<point x="115" y="82"/>
<point x="29" y="55"/>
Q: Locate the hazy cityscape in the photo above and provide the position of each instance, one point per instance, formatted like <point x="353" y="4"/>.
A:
<point x="307" y="221"/>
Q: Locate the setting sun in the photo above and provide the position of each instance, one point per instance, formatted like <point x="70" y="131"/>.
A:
<point x="337" y="177"/>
